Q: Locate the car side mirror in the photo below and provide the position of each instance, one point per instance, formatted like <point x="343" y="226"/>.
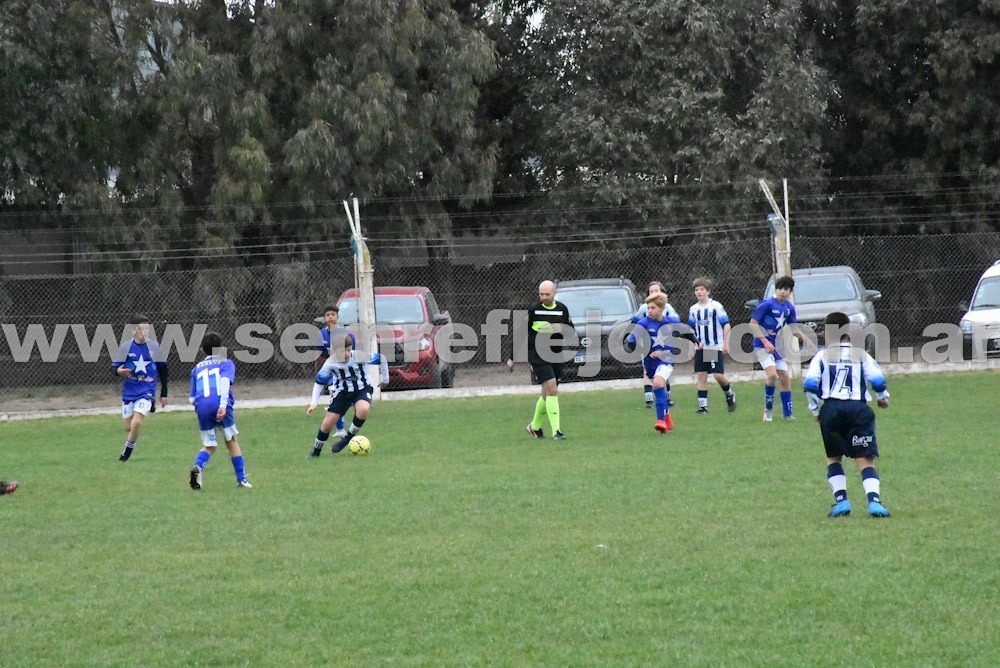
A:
<point x="752" y="303"/>
<point x="442" y="318"/>
<point x="872" y="295"/>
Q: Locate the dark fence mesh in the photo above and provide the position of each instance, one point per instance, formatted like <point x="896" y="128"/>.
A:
<point x="923" y="279"/>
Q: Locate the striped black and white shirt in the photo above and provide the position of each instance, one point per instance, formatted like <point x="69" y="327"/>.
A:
<point x="709" y="323"/>
<point x="350" y="375"/>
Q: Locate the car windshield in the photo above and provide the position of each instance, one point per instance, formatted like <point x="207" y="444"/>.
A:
<point x="609" y="301"/>
<point x="817" y="289"/>
<point x="389" y="309"/>
<point x="987" y="294"/>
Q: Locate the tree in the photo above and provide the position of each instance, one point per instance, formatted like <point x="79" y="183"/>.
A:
<point x="914" y="100"/>
<point x="636" y="106"/>
<point x="216" y="115"/>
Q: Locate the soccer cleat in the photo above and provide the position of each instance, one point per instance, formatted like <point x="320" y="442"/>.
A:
<point x="670" y="402"/>
<point x="876" y="509"/>
<point x="340" y="433"/>
<point x="316" y="452"/>
<point x="702" y="410"/>
<point x="649" y="404"/>
<point x="788" y="417"/>
<point x="660" y="426"/>
<point x="841" y="509"/>
<point x="195" y="478"/>
<point x="126" y="453"/>
<point x="559" y="436"/>
<point x="341" y="444"/>
<point x="8" y="487"/>
<point x="537" y="433"/>
<point x="731" y="402"/>
<point x="669" y="421"/>
<point x="244" y="484"/>
<point x="768" y="415"/>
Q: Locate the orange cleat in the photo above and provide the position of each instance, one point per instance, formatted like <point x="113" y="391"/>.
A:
<point x="669" y="421"/>
<point x="660" y="426"/>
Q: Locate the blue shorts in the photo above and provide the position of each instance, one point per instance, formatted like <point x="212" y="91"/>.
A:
<point x="848" y="429"/>
<point x="344" y="400"/>
<point x="206" y="417"/>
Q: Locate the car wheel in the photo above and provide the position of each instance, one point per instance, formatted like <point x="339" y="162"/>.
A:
<point x="966" y="349"/>
<point x="448" y="377"/>
<point x="436" y="379"/>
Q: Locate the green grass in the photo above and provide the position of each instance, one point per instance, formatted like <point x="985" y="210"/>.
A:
<point x="462" y="542"/>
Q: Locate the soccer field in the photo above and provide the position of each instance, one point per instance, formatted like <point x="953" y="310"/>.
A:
<point x="461" y="541"/>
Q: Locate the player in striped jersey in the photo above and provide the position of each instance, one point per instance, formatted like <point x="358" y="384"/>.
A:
<point x="836" y="386"/>
<point x="346" y="374"/>
<point x="710" y="322"/>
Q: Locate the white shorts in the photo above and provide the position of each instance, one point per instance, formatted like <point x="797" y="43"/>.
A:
<point x="140" y="406"/>
<point x="767" y="359"/>
<point x="208" y="436"/>
<point x="663" y="371"/>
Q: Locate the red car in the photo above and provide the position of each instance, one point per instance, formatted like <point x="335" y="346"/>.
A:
<point x="409" y="314"/>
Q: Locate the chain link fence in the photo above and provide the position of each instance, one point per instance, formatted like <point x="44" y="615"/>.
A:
<point x="52" y="325"/>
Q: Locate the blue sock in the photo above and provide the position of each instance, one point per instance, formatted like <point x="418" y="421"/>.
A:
<point x="340" y="423"/>
<point x="660" y="395"/>
<point x="769" y="397"/>
<point x="202" y="459"/>
<point x="238" y="467"/>
<point x="786" y="403"/>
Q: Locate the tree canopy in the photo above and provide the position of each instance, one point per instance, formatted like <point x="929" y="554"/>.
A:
<point x="190" y="127"/>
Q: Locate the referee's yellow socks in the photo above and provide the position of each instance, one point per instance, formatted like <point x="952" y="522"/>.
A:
<point x="552" y="408"/>
<point x="536" y="422"/>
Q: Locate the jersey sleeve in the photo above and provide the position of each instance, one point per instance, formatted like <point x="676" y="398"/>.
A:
<point x="873" y="372"/>
<point x="325" y="372"/>
<point x="761" y="311"/>
<point x="814" y="375"/>
<point x="228" y="370"/>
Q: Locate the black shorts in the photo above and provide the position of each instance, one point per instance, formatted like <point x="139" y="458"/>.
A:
<point x="343" y="400"/>
<point x="848" y="429"/>
<point x="544" y="371"/>
<point x="714" y="363"/>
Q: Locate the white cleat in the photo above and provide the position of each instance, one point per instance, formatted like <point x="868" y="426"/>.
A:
<point x="768" y="416"/>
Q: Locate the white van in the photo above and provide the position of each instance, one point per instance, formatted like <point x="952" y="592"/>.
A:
<point x="981" y="321"/>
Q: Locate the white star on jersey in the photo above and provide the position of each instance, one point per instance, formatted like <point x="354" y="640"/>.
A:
<point x="140" y="365"/>
<point x="780" y="322"/>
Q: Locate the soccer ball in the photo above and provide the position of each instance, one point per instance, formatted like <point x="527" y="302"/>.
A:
<point x="359" y="445"/>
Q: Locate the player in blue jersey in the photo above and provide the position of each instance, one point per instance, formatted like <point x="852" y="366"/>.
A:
<point x="836" y="386"/>
<point x="654" y="288"/>
<point x="140" y="364"/>
<point x="710" y="322"/>
<point x="212" y="382"/>
<point x="347" y="375"/>
<point x="658" y="363"/>
<point x="331" y="315"/>
<point x="768" y="319"/>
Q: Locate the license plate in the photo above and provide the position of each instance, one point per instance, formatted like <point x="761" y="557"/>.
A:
<point x="583" y="358"/>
